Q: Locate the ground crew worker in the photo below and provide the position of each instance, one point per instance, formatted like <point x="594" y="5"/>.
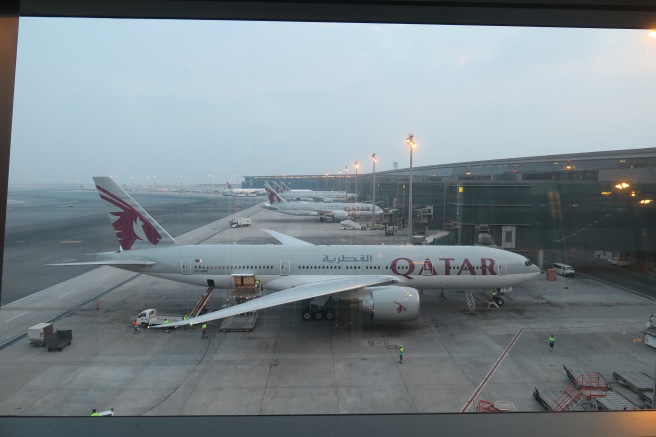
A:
<point x="494" y="294"/>
<point x="135" y="325"/>
<point x="204" y="329"/>
<point x="166" y="329"/>
<point x="258" y="285"/>
<point x="401" y="350"/>
<point x="552" y="341"/>
<point x="185" y="317"/>
<point x="94" y="413"/>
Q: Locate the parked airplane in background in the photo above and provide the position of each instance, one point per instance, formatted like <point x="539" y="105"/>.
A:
<point x="385" y="279"/>
<point x="310" y="195"/>
<point x="331" y="210"/>
<point x="243" y="192"/>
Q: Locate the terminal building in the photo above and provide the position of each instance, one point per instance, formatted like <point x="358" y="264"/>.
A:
<point x="600" y="202"/>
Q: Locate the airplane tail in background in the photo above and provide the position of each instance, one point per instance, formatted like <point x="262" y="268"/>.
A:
<point x="228" y="185"/>
<point x="272" y="194"/>
<point x="134" y="227"/>
<point x="277" y="188"/>
<point x="283" y="186"/>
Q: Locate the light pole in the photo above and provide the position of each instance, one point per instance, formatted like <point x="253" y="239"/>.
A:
<point x="154" y="183"/>
<point x="147" y="183"/>
<point x="181" y="183"/>
<point x="210" y="184"/>
<point x="339" y="180"/>
<point x="373" y="200"/>
<point x="411" y="143"/>
<point x="346" y="180"/>
<point x="355" y="164"/>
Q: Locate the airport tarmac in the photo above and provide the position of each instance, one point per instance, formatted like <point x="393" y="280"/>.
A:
<point x="290" y="366"/>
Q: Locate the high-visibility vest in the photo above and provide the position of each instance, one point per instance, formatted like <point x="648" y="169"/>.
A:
<point x="401" y="349"/>
<point x="204" y="326"/>
<point x="95" y="414"/>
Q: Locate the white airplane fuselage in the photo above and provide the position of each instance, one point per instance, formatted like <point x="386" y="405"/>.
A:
<point x="337" y="209"/>
<point x="437" y="267"/>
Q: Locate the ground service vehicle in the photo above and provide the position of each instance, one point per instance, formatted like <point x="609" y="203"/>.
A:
<point x="239" y="222"/>
<point x="37" y="334"/>
<point x="619" y="262"/>
<point x="150" y="317"/>
<point x="59" y="340"/>
<point x="564" y="269"/>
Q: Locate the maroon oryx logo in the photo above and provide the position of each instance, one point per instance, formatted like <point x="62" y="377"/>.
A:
<point x="400" y="307"/>
<point x="129" y="222"/>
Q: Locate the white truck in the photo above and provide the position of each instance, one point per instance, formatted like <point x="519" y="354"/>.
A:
<point x="151" y="317"/>
<point x="240" y="222"/>
<point x="37" y="334"/>
<point x="350" y="224"/>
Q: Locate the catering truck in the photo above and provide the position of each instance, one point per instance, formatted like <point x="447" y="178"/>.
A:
<point x="37" y="334"/>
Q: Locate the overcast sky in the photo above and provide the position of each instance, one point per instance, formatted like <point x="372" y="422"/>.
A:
<point x="138" y="98"/>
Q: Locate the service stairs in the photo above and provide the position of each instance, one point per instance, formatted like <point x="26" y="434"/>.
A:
<point x="201" y="303"/>
<point x="585" y="385"/>
<point x="470" y="303"/>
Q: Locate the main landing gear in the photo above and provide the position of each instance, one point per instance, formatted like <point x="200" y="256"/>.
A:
<point x="320" y="308"/>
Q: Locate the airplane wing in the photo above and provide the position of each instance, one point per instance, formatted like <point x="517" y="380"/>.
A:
<point x="301" y="292"/>
<point x="108" y="263"/>
<point x="286" y="240"/>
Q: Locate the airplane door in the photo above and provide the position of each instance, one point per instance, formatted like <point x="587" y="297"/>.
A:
<point x="502" y="267"/>
<point x="185" y="267"/>
<point x="284" y="267"/>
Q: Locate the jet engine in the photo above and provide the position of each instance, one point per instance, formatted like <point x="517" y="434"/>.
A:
<point x="391" y="303"/>
<point x="340" y="215"/>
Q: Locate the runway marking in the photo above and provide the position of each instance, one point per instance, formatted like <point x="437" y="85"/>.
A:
<point x="70" y="241"/>
<point x="15" y="317"/>
<point x="65" y="294"/>
<point x="101" y="278"/>
<point x="491" y="372"/>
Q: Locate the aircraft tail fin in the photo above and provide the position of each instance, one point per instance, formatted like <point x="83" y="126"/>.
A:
<point x="134" y="227"/>
<point x="276" y="187"/>
<point x="228" y="185"/>
<point x="273" y="195"/>
<point x="283" y="186"/>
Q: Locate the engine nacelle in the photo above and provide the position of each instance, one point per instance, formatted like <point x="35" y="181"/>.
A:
<point x="391" y="304"/>
<point x="340" y="215"/>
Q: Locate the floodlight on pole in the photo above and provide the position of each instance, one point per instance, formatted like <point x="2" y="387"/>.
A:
<point x="355" y="164"/>
<point x="373" y="199"/>
<point x="411" y="144"/>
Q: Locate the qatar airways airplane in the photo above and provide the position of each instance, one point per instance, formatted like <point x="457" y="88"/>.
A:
<point x="386" y="279"/>
<point x="243" y="192"/>
<point x="310" y="195"/>
<point x="330" y="210"/>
